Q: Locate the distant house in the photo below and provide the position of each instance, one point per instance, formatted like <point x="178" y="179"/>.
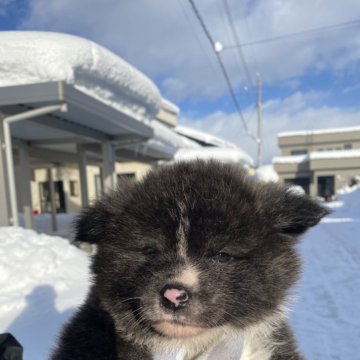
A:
<point x="320" y="161"/>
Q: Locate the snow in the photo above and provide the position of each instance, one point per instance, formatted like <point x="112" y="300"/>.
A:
<point x="336" y="154"/>
<point x="319" y="131"/>
<point x="293" y="159"/>
<point x="326" y="315"/>
<point x="266" y="173"/>
<point x="217" y="148"/>
<point x="44" y="278"/>
<point x="43" y="224"/>
<point x="203" y="137"/>
<point x="165" y="135"/>
<point x="222" y="154"/>
<point x="317" y="155"/>
<point x="169" y="106"/>
<point x="36" y="57"/>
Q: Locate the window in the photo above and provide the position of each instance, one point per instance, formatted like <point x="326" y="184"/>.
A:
<point x="298" y="152"/>
<point x="74" y="188"/>
<point x="45" y="197"/>
<point x="125" y="176"/>
<point x="348" y="146"/>
<point x="326" y="186"/>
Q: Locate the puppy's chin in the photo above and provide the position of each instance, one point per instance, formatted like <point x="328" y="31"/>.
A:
<point x="177" y="330"/>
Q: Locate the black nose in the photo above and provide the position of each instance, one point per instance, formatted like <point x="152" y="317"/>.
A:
<point x="174" y="297"/>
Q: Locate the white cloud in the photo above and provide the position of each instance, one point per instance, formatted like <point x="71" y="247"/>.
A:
<point x="163" y="38"/>
<point x="299" y="111"/>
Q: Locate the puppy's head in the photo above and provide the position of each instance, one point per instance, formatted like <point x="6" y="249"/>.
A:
<point x="193" y="247"/>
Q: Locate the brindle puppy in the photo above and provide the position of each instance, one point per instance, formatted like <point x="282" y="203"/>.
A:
<point x="194" y="262"/>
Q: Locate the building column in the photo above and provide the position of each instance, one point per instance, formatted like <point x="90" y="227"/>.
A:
<point x="5" y="212"/>
<point x="54" y="223"/>
<point x="25" y="185"/>
<point x="108" y="167"/>
<point x="83" y="176"/>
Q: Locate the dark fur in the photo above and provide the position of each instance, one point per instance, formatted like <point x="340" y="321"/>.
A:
<point x="135" y="229"/>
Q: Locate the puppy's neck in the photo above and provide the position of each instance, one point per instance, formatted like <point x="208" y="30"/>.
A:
<point x="253" y="343"/>
<point x="225" y="348"/>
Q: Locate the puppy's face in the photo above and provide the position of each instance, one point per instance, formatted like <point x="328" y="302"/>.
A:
<point x="195" y="247"/>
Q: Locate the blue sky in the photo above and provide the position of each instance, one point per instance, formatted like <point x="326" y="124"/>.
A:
<point x="310" y="81"/>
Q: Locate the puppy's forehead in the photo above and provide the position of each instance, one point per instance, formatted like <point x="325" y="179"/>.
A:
<point x="182" y="232"/>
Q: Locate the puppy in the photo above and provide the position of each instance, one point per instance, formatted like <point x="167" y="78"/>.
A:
<point x="196" y="261"/>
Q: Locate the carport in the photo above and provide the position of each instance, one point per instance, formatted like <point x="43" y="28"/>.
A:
<point x="51" y="122"/>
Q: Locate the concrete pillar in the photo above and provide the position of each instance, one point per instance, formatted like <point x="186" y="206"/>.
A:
<point x="83" y="176"/>
<point x="108" y="167"/>
<point x="5" y="213"/>
<point x="24" y="199"/>
<point x="52" y="200"/>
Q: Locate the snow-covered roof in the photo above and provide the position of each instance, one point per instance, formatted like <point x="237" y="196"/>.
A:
<point x="36" y="57"/>
<point x="166" y="135"/>
<point x="169" y="106"/>
<point x="293" y="159"/>
<point x="222" y="154"/>
<point x="317" y="155"/>
<point x="203" y="137"/>
<point x="319" y="131"/>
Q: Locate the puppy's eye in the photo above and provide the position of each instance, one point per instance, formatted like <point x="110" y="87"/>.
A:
<point x="150" y="251"/>
<point x="222" y="257"/>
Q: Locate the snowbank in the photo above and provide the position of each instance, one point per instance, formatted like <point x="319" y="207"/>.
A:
<point x="266" y="173"/>
<point x="42" y="280"/>
<point x="34" y="57"/>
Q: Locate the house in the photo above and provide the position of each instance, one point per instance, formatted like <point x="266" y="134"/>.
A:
<point x="70" y="111"/>
<point x="320" y="161"/>
<point x="71" y="125"/>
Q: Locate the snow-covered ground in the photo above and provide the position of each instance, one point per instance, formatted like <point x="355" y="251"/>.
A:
<point x="43" y="224"/>
<point x="43" y="279"/>
<point x="326" y="314"/>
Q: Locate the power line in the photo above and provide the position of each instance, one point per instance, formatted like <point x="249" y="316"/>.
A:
<point x="237" y="41"/>
<point x="333" y="27"/>
<point x="206" y="55"/>
<point x="221" y="64"/>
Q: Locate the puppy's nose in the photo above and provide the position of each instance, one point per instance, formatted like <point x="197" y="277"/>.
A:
<point x="174" y="297"/>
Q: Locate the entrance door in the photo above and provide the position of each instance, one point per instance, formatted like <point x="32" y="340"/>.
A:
<point x="45" y="202"/>
<point x="326" y="186"/>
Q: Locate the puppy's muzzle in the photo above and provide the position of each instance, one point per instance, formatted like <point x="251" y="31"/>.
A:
<point x="174" y="297"/>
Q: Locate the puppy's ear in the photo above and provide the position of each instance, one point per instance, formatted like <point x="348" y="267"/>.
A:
<point x="90" y="225"/>
<point x="296" y="213"/>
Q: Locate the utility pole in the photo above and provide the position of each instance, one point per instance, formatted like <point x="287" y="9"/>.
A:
<point x="259" y="123"/>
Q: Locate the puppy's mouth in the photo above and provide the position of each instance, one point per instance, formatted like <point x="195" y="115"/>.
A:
<point x="176" y="329"/>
